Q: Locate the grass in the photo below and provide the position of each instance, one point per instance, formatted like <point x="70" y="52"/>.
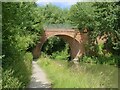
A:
<point x="67" y="75"/>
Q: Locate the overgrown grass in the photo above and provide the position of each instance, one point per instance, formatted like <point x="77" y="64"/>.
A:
<point x="67" y="75"/>
<point x="18" y="74"/>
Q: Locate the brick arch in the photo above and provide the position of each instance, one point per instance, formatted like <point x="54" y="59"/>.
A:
<point x="61" y="34"/>
<point x="75" y="46"/>
<point x="74" y="38"/>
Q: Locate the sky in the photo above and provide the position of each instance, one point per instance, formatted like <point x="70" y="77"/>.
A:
<point x="67" y="3"/>
<point x="59" y="3"/>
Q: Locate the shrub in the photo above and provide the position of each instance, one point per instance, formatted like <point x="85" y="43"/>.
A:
<point x="9" y="81"/>
<point x="63" y="55"/>
<point x="18" y="74"/>
<point x="87" y="59"/>
<point x="60" y="55"/>
<point x="107" y="59"/>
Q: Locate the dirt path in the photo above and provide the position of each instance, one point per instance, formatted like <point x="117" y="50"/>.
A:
<point x="38" y="78"/>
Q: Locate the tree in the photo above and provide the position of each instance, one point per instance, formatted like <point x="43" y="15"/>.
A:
<point x="22" y="28"/>
<point x="81" y="14"/>
<point x="52" y="14"/>
<point x="107" y="21"/>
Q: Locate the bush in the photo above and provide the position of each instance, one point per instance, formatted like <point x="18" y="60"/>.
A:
<point x="60" y="55"/>
<point x="87" y="59"/>
<point x="21" y="33"/>
<point x="9" y="81"/>
<point x="56" y="55"/>
<point x="107" y="59"/>
<point x="63" y="55"/>
<point x="18" y="74"/>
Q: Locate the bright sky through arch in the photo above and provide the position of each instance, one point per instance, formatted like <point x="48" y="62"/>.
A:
<point x="59" y="3"/>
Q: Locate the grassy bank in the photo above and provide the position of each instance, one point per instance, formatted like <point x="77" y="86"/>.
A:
<point x="66" y="75"/>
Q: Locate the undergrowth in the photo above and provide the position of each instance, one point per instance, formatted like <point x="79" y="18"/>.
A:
<point x="18" y="74"/>
<point x="107" y="59"/>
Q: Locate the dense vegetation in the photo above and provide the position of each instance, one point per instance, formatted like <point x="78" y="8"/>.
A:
<point x="23" y="25"/>
<point x="20" y="32"/>
<point x="0" y="29"/>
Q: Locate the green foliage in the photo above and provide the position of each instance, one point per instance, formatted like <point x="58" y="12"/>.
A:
<point x="53" y="44"/>
<point x="19" y="73"/>
<point x="19" y="30"/>
<point x="52" y="14"/>
<point x="107" y="59"/>
<point x="63" y="55"/>
<point x="23" y="25"/>
<point x="56" y="48"/>
<point x="81" y="15"/>
<point x="99" y="17"/>
<point x="87" y="60"/>
<point x="100" y="48"/>
<point x="107" y="21"/>
<point x="22" y="28"/>
<point x="9" y="81"/>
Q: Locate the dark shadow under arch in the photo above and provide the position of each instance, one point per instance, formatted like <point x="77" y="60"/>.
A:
<point x="59" y="46"/>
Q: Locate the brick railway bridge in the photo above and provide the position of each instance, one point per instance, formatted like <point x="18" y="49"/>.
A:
<point x="73" y="37"/>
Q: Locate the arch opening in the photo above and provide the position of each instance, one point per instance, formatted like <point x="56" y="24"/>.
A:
<point x="57" y="48"/>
